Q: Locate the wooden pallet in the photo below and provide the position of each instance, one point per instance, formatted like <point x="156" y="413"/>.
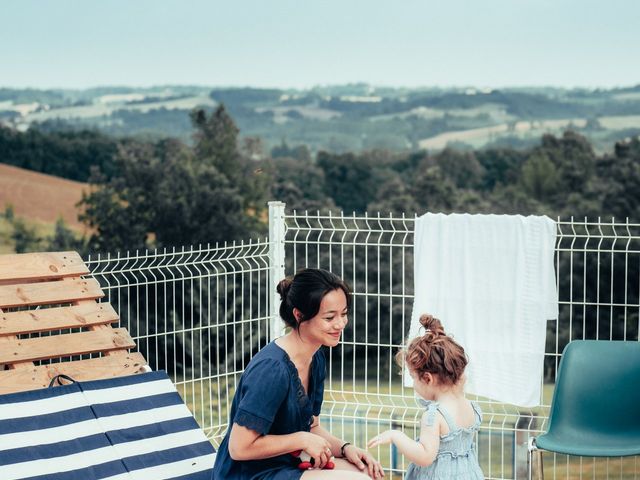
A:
<point x="42" y="297"/>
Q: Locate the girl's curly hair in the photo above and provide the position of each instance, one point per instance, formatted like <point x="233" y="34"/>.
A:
<point x="434" y="352"/>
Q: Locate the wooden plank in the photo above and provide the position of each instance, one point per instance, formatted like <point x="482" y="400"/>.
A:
<point x="28" y="294"/>
<point x="58" y="318"/>
<point x="12" y="381"/>
<point x="6" y="340"/>
<point x="56" y="346"/>
<point x="37" y="266"/>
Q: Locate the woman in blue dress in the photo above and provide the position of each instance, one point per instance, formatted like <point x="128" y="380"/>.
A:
<point x="276" y="407"/>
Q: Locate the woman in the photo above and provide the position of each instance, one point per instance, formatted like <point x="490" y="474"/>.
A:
<point x="276" y="406"/>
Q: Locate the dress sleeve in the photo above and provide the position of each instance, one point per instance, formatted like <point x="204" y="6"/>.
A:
<point x="320" y="373"/>
<point x="264" y="388"/>
<point x="429" y="415"/>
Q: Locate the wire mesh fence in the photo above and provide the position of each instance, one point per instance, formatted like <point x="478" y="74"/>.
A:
<point x="201" y="313"/>
<point x="597" y="267"/>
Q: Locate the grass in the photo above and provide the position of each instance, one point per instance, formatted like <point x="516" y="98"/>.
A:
<point x="7" y="245"/>
<point x="358" y="411"/>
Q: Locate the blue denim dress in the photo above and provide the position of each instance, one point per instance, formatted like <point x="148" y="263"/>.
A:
<point x="271" y="400"/>
<point x="456" y="457"/>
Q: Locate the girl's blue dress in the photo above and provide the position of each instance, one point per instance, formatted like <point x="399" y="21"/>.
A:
<point x="456" y="457"/>
<point x="271" y="400"/>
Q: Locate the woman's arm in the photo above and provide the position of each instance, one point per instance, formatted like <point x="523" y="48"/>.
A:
<point x="247" y="444"/>
<point x="334" y="442"/>
<point x="360" y="458"/>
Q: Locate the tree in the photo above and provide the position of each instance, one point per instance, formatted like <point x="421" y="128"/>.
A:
<point x="9" y="212"/>
<point x="216" y="145"/>
<point x="352" y="180"/>
<point x="501" y="165"/>
<point x="618" y="185"/>
<point x="301" y="152"/>
<point x="394" y="196"/>
<point x="462" y="168"/>
<point x="24" y="237"/>
<point x="432" y="190"/>
<point x="119" y="210"/>
<point x="573" y="158"/>
<point x="67" y="154"/>
<point x="301" y="185"/>
<point x="64" y="239"/>
<point x="540" y="177"/>
<point x="170" y="194"/>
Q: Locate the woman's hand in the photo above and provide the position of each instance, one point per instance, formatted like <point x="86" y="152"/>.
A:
<point x="363" y="460"/>
<point x="318" y="448"/>
<point x="385" y="438"/>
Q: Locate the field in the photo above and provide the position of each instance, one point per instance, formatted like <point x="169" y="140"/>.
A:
<point x="477" y="137"/>
<point x="341" y="118"/>
<point x="101" y="109"/>
<point x="39" y="197"/>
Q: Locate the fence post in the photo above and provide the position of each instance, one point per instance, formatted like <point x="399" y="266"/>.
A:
<point x="276" y="264"/>
<point x="523" y="431"/>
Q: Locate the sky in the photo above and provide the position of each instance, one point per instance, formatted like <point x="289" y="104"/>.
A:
<point x="305" y="43"/>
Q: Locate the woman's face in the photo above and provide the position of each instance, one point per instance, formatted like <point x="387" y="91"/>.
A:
<point x="327" y="326"/>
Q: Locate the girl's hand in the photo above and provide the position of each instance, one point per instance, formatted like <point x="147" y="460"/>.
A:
<point x="384" y="438"/>
<point x="363" y="460"/>
<point x="318" y="448"/>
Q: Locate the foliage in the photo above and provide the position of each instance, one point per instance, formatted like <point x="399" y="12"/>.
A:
<point x="64" y="239"/>
<point x="167" y="193"/>
<point x="24" y="237"/>
<point x="68" y="154"/>
<point x="9" y="212"/>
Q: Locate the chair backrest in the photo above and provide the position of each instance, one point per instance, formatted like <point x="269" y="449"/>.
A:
<point x="49" y="311"/>
<point x="597" y="388"/>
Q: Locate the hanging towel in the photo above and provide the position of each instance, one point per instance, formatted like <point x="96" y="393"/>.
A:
<point x="490" y="279"/>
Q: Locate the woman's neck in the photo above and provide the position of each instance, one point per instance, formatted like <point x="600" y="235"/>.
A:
<point x="300" y="351"/>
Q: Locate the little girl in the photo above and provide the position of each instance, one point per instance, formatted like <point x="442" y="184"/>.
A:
<point x="445" y="449"/>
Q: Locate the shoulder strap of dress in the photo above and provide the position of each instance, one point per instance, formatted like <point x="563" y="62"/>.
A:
<point x="477" y="411"/>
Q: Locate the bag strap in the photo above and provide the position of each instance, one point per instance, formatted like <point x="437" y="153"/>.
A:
<point x="63" y="377"/>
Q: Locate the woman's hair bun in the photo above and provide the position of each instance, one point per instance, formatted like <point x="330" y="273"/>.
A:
<point x="432" y="325"/>
<point x="283" y="288"/>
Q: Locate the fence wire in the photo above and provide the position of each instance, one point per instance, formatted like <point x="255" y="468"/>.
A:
<point x="201" y="313"/>
<point x="597" y="268"/>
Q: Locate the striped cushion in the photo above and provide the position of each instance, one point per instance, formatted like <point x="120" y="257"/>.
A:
<point x="134" y="427"/>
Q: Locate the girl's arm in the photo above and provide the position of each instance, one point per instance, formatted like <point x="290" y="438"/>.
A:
<point x="423" y="452"/>
<point x="247" y="444"/>
<point x="357" y="456"/>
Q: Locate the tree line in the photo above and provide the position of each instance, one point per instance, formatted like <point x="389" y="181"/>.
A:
<point x="169" y="193"/>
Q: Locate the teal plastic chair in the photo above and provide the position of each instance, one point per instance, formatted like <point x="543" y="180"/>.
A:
<point x="595" y="411"/>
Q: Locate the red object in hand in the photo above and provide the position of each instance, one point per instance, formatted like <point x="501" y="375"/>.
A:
<point x="306" y="461"/>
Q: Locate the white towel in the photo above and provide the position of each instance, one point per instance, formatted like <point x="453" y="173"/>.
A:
<point x="490" y="279"/>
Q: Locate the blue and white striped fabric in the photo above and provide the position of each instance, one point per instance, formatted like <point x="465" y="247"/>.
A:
<point x="127" y="428"/>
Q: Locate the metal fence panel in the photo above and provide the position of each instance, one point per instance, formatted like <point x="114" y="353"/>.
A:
<point x="597" y="268"/>
<point x="201" y="313"/>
